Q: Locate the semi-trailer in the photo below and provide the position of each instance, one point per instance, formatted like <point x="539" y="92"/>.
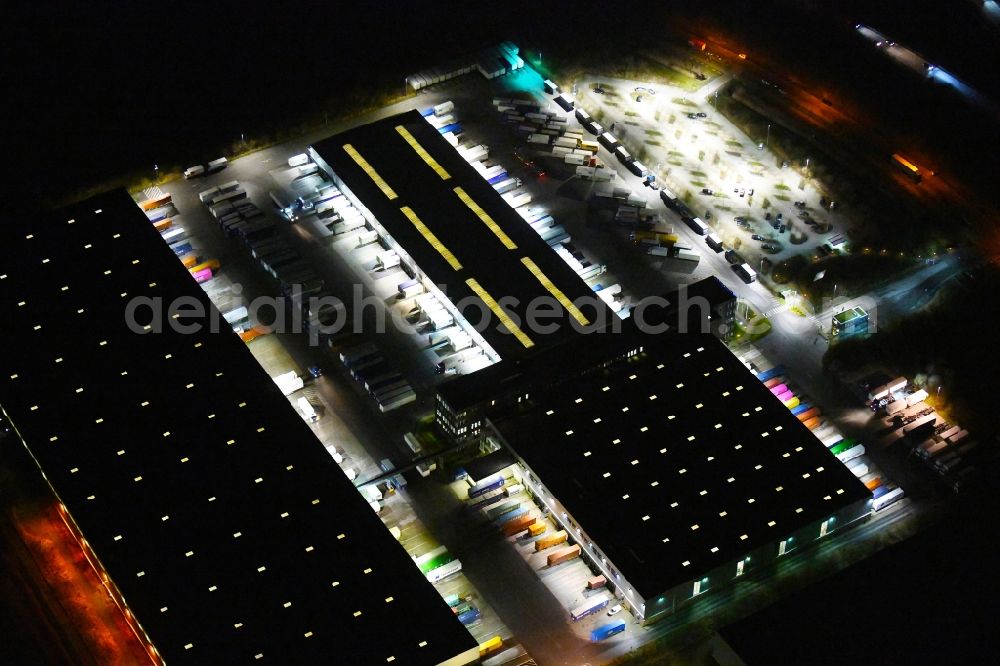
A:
<point x="714" y="242"/>
<point x="217" y="165"/>
<point x="746" y="273"/>
<point x="486" y="485"/>
<point x="182" y="248"/>
<point x="536" y="529"/>
<point x="505" y="186"/>
<point x="590" y="606"/>
<point x="638" y="168"/>
<point x="807" y="414"/>
<point x="697" y="226"/>
<point x="471" y="615"/>
<point x="623" y="155"/>
<point x="608" y="140"/>
<point x="353" y="355"/>
<point x="563" y="555"/>
<point x="512" y="514"/>
<point x="888" y="498"/>
<point x="607" y="630"/>
<point x="813" y="423"/>
<point x="565" y="101"/>
<point x="194" y="171"/>
<point x="851" y="453"/>
<point x="519" y="524"/>
<point x="174" y="234"/>
<point x="444" y="571"/>
<point x="488" y="500"/>
<point x="553" y="539"/>
<point x="155" y="202"/>
<point x="841" y="445"/>
<point x="764" y="375"/>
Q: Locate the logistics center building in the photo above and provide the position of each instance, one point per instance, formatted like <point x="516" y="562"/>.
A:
<point x="677" y="471"/>
<point x="214" y="515"/>
<point x="458" y="236"/>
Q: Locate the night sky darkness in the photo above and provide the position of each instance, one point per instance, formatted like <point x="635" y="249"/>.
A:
<point x="95" y="89"/>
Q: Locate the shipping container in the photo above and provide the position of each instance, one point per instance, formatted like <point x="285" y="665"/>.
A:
<point x="536" y="529"/>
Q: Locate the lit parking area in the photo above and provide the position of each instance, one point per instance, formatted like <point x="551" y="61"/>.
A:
<point x="722" y="174"/>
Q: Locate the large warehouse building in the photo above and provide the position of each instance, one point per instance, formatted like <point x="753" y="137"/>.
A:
<point x="218" y="520"/>
<point x="662" y="455"/>
<point x="677" y="471"/>
<point x="457" y="234"/>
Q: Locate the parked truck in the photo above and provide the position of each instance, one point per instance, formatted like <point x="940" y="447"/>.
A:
<point x="746" y="273"/>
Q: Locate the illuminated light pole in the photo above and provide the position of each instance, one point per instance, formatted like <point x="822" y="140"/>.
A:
<point x="767" y="141"/>
<point x="156" y="172"/>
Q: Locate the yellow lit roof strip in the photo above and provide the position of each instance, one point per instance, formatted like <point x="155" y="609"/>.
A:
<point x="424" y="155"/>
<point x="370" y="170"/>
<point x="487" y="220"/>
<point x="498" y="311"/>
<point x="554" y="290"/>
<point x="431" y="238"/>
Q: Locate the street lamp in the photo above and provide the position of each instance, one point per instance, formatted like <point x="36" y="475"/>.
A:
<point x="767" y="140"/>
<point x="156" y="172"/>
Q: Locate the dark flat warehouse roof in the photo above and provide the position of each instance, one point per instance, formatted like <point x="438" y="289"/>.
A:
<point x="678" y="460"/>
<point x="224" y="523"/>
<point x="387" y="173"/>
<point x="584" y="352"/>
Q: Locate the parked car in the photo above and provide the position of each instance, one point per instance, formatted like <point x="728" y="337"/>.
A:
<point x="705" y="190"/>
<point x="614" y="610"/>
<point x="750" y="192"/>
<point x="800" y="204"/>
<point x="767" y="216"/>
<point x="693" y="116"/>
<point x="756" y="237"/>
<point x="701" y="114"/>
<point x="598" y="90"/>
<point x="779" y="217"/>
<point x="781" y="229"/>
